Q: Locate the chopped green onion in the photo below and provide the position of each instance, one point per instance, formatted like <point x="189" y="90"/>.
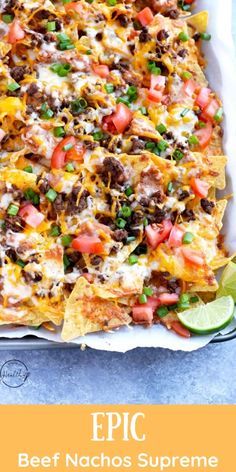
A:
<point x="143" y="110"/>
<point x="98" y="135"/>
<point x="193" y="140"/>
<point x="129" y="191"/>
<point x="194" y="299"/>
<point x="186" y="75"/>
<point x="111" y="3"/>
<point x="12" y="209"/>
<point x="68" y="146"/>
<point x="70" y="167"/>
<point x="183" y="36"/>
<point x="184" y="112"/>
<point x="161" y="128"/>
<point x="7" y="18"/>
<point x="47" y="112"/>
<point x="51" y="195"/>
<point x="141" y="249"/>
<point x="20" y="263"/>
<point x="88" y="52"/>
<point x="162" y="145"/>
<point x="51" y="26"/>
<point x="183" y="303"/>
<point x="109" y="88"/>
<point x="66" y="240"/>
<point x="153" y="68"/>
<point x="142" y="298"/>
<point x="55" y="230"/>
<point x="133" y="259"/>
<point x="219" y="115"/>
<point x="126" y="211"/>
<point x="205" y="36"/>
<point x="66" y="261"/>
<point x="79" y="105"/>
<point x="145" y="221"/>
<point x="150" y="145"/>
<point x="66" y="1"/>
<point x="130" y="239"/>
<point x="32" y="196"/>
<point x="121" y="223"/>
<point x="124" y="100"/>
<point x="188" y="238"/>
<point x="148" y="291"/>
<point x="170" y="187"/>
<point x="28" y="169"/>
<point x="178" y="155"/>
<point x="13" y="86"/>
<point x="64" y="42"/>
<point x="132" y="93"/>
<point x="61" y="69"/>
<point x="59" y="132"/>
<point x="162" y="311"/>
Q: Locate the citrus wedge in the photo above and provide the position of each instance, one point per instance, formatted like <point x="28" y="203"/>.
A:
<point x="227" y="285"/>
<point x="209" y="318"/>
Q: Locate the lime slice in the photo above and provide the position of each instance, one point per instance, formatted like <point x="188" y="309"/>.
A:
<point x="213" y="316"/>
<point x="227" y="285"/>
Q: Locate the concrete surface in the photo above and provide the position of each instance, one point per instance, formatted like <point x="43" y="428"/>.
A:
<point x="140" y="376"/>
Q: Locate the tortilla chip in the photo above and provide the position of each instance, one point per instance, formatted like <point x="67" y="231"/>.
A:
<point x="143" y="127"/>
<point x="219" y="212"/>
<point x="86" y="312"/>
<point x="216" y="171"/>
<point x="199" y="21"/>
<point x="21" y="179"/>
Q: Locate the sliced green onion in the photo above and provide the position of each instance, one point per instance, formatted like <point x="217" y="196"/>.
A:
<point x="32" y="196"/>
<point x="88" y="52"/>
<point x="121" y="223"/>
<point x="61" y="69"/>
<point x="194" y="299"/>
<point x="98" y="135"/>
<point x="170" y="187"/>
<point x="70" y="167"/>
<point x="186" y="75"/>
<point x="142" y="298"/>
<point x="162" y="311"/>
<point x="183" y="37"/>
<point x="162" y="145"/>
<point x="148" y="291"/>
<point x="111" y="3"/>
<point x="20" y="263"/>
<point x="153" y="68"/>
<point x="143" y="110"/>
<point x="184" y="112"/>
<point x="124" y="100"/>
<point x="133" y="259"/>
<point x="59" y="132"/>
<point x="126" y="211"/>
<point x="193" y="140"/>
<point x="12" y="209"/>
<point x="130" y="239"/>
<point x="183" y="303"/>
<point x="161" y="128"/>
<point x="205" y="36"/>
<point x="28" y="169"/>
<point x="145" y="221"/>
<point x="66" y="240"/>
<point x="66" y="261"/>
<point x="55" y="230"/>
<point x="68" y="146"/>
<point x="129" y="191"/>
<point x="51" y="26"/>
<point x="188" y="238"/>
<point x="219" y="115"/>
<point x="132" y="93"/>
<point x="13" y="86"/>
<point x="109" y="88"/>
<point x="51" y="195"/>
<point x="178" y="155"/>
<point x="47" y="112"/>
<point x="79" y="105"/>
<point x="7" y="18"/>
<point x="150" y="145"/>
<point x="201" y="124"/>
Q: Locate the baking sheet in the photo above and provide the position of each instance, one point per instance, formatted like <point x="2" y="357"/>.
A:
<point x="221" y="73"/>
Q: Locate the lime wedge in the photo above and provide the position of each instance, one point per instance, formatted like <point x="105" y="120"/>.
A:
<point x="227" y="285"/>
<point x="213" y="316"/>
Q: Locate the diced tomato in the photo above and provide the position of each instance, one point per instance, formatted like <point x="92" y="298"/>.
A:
<point x="168" y="298"/>
<point x="88" y="244"/>
<point x="31" y="215"/>
<point x="193" y="257"/>
<point x="203" y="97"/>
<point x="145" y="16"/>
<point x="176" y="236"/>
<point x="102" y="70"/>
<point x="204" y="135"/>
<point x="88" y="277"/>
<point x="76" y="153"/>
<point x="73" y="6"/>
<point x="189" y="2"/>
<point x="2" y="134"/>
<point x="152" y="302"/>
<point x="210" y="110"/>
<point x="156" y="234"/>
<point x="199" y="187"/>
<point x="119" y="120"/>
<point x="180" y="329"/>
<point x="142" y="314"/>
<point x="59" y="153"/>
<point x="16" y="32"/>
<point x="189" y="87"/>
<point x="157" y="82"/>
<point x="155" y="96"/>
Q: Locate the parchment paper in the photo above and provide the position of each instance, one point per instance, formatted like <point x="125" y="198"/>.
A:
<point x="221" y="73"/>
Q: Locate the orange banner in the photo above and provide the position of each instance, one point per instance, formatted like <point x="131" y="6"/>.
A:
<point x="89" y="438"/>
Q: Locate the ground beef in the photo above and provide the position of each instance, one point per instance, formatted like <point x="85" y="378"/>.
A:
<point x="207" y="205"/>
<point x="144" y="201"/>
<point x="11" y="253"/>
<point x="183" y="53"/>
<point x="18" y="72"/>
<point x="120" y="235"/>
<point x="137" y="145"/>
<point x="157" y="197"/>
<point x="44" y="185"/>
<point x="112" y="170"/>
<point x="159" y="215"/>
<point x="162" y="35"/>
<point x="71" y="201"/>
<point x="123" y="20"/>
<point x="144" y="36"/>
<point x="31" y="276"/>
<point x="32" y="89"/>
<point x="182" y="195"/>
<point x="96" y="260"/>
<point x="173" y="13"/>
<point x="172" y="285"/>
<point x="14" y="223"/>
<point x="8" y="8"/>
<point x="188" y="215"/>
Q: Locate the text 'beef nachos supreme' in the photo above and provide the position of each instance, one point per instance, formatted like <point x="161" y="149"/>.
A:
<point x="110" y="161"/>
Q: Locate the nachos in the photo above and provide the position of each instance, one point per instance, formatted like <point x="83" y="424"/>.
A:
<point x="111" y="156"/>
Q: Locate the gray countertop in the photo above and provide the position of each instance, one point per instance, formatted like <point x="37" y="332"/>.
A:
<point x="147" y="376"/>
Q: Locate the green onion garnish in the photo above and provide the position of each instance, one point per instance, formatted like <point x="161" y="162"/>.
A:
<point x="13" y="86"/>
<point x="55" y="230"/>
<point x="126" y="211"/>
<point x="98" y="135"/>
<point x="32" y="196"/>
<point x="193" y="140"/>
<point x="178" y="155"/>
<point x="12" y="209"/>
<point x="51" y="195"/>
<point x="152" y="67"/>
<point x="109" y="88"/>
<point x="129" y="191"/>
<point x="162" y="311"/>
<point x="28" y="169"/>
<point x="183" y="36"/>
<point x="205" y="36"/>
<point x="142" y="298"/>
<point x="161" y="128"/>
<point x="121" y="223"/>
<point x="148" y="291"/>
<point x="59" y="132"/>
<point x="7" y="18"/>
<point x="219" y="115"/>
<point x="66" y="240"/>
<point x="133" y="259"/>
<point x="51" y="26"/>
<point x="69" y="167"/>
<point x="188" y="238"/>
<point x="61" y="69"/>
